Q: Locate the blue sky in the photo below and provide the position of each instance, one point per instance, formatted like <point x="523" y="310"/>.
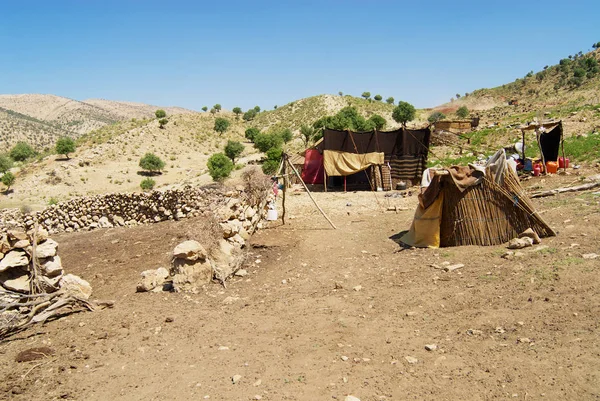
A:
<point x="247" y="53"/>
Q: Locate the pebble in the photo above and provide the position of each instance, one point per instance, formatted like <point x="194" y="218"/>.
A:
<point x="241" y="273"/>
<point x="590" y="256"/>
<point x="257" y="383"/>
<point x="223" y="348"/>
<point x="431" y="347"/>
<point x="351" y="398"/>
<point x="236" y="378"/>
<point x="257" y="397"/>
<point x="357" y="288"/>
<point x="453" y="267"/>
<point x="411" y="313"/>
<point x="344" y="358"/>
<point x="411" y="359"/>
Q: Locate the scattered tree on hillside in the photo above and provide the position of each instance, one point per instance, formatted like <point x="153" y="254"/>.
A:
<point x="21" y="152"/>
<point x="221" y="125"/>
<point x="249" y="115"/>
<point x="204" y="108"/>
<point x="271" y="164"/>
<point x="162" y="122"/>
<point x="377" y="98"/>
<point x="404" y="113"/>
<point x="219" y="166"/>
<point x="462" y="112"/>
<point x="458" y="95"/>
<point x="257" y="109"/>
<point x="233" y="149"/>
<point x="366" y="95"/>
<point x="5" y="164"/>
<point x="436" y="116"/>
<point x="213" y="110"/>
<point x="251" y="133"/>
<point x="341" y="93"/>
<point x="160" y="113"/>
<point x="8" y="179"/>
<point x="389" y="100"/>
<point x="152" y="163"/>
<point x="264" y="142"/>
<point x="275" y="107"/>
<point x="347" y="118"/>
<point x="237" y="111"/>
<point x="378" y="121"/>
<point x="307" y="133"/>
<point x="64" y="146"/>
<point x="217" y="107"/>
<point x="147" y="184"/>
<point x="286" y="135"/>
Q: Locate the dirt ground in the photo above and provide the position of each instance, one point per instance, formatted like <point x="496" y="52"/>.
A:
<point x="325" y="313"/>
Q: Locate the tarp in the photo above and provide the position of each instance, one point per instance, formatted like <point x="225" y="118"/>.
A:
<point x="425" y="229"/>
<point x="338" y="163"/>
<point x="312" y="173"/>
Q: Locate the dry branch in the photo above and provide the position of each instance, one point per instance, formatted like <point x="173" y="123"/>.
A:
<point x="577" y="188"/>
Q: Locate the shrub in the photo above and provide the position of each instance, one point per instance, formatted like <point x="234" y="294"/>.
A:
<point x="274" y="154"/>
<point x="204" y="108"/>
<point x="307" y="133"/>
<point x="389" y="100"/>
<point x="162" y="122"/>
<point x="366" y="95"/>
<point x="219" y="166"/>
<point x="257" y="109"/>
<point x="65" y="145"/>
<point x="378" y="121"/>
<point x="151" y="162"/>
<point x="251" y="133"/>
<point x="237" y="111"/>
<point x="249" y="115"/>
<point x="160" y="114"/>
<point x="462" y="112"/>
<point x="377" y="98"/>
<point x="221" y="125"/>
<point x="264" y="142"/>
<point x="21" y="151"/>
<point x="147" y="184"/>
<point x="270" y="166"/>
<point x="217" y="107"/>
<point x="286" y="135"/>
<point x="233" y="149"/>
<point x="5" y="164"/>
<point x="8" y="179"/>
<point x="52" y="201"/>
<point x="404" y="113"/>
<point x="436" y="116"/>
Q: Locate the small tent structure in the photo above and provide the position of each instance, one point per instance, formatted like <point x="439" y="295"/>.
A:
<point x="549" y="135"/>
<point x="473" y="206"/>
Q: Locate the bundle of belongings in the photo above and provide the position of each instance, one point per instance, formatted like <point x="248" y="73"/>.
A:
<point x="473" y="205"/>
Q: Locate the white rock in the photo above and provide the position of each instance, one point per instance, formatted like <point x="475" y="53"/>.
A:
<point x="52" y="267"/>
<point x="453" y="267"/>
<point x="236" y="378"/>
<point x="590" y="256"/>
<point x="241" y="273"/>
<point x="14" y="259"/>
<point x="76" y="286"/>
<point x="351" y="398"/>
<point x="46" y="249"/>
<point x="411" y="359"/>
<point x="15" y="280"/>
<point x="519" y="243"/>
<point x="152" y="279"/>
<point x="430" y="347"/>
<point x="190" y="250"/>
<point x="357" y="288"/>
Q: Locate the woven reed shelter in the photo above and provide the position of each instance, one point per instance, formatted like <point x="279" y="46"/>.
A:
<point x="485" y="208"/>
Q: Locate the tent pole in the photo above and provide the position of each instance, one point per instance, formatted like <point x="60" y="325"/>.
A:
<point x="537" y="135"/>
<point x="310" y="195"/>
<point x="523" y="132"/>
<point x="344" y="184"/>
<point x="285" y="182"/>
<point x="562" y="144"/>
<point x="324" y="179"/>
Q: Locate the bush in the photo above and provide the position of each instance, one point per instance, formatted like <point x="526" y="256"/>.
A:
<point x="237" y="111"/>
<point x="21" y="152"/>
<point x="286" y="135"/>
<point x="257" y="109"/>
<point x="462" y="112"/>
<point x="8" y="179"/>
<point x="270" y="166"/>
<point x="436" y="116"/>
<point x="378" y="121"/>
<point x="251" y="133"/>
<point x="65" y="145"/>
<point x="52" y="201"/>
<point x="274" y="154"/>
<point x="249" y="115"/>
<point x="5" y="164"/>
<point x="205" y="108"/>
<point x="264" y="142"/>
<point x="221" y="125"/>
<point x="377" y="98"/>
<point x="389" y="100"/>
<point x="404" y="113"/>
<point x="307" y="133"/>
<point x="151" y="162"/>
<point x="162" y="122"/>
<point x="160" y="114"/>
<point x="233" y="149"/>
<point x="366" y="95"/>
<point x="217" y="107"/>
<point x="147" y="184"/>
<point x="219" y="166"/>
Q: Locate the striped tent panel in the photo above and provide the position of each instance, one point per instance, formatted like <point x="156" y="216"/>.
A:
<point x="407" y="167"/>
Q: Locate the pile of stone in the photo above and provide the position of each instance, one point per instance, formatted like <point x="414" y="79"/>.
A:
<point x="21" y="273"/>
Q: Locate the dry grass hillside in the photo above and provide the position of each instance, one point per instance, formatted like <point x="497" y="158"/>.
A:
<point x="41" y="119"/>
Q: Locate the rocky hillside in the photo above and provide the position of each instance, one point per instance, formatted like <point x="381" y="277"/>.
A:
<point x="41" y="119"/>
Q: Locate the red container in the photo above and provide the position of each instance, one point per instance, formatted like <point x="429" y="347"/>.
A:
<point x="537" y="169"/>
<point x="563" y="162"/>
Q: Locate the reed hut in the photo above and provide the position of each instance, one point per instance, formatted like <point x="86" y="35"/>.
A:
<point x="473" y="206"/>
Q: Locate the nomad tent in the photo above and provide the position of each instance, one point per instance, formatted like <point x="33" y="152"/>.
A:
<point x="474" y="205"/>
<point x="549" y="138"/>
<point x="372" y="159"/>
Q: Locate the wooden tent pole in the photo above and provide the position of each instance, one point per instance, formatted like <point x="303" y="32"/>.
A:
<point x="537" y="135"/>
<point x="324" y="179"/>
<point x="523" y="132"/>
<point x="562" y="144"/>
<point x="310" y="195"/>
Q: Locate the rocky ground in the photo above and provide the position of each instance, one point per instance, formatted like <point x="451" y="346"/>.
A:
<point x="323" y="314"/>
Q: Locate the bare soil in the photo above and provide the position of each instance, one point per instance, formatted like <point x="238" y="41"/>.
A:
<point x="325" y="313"/>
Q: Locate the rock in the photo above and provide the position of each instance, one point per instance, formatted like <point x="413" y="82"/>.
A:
<point x="230" y="300"/>
<point x="411" y="359"/>
<point x="529" y="233"/>
<point x="189" y="275"/>
<point x="357" y="288"/>
<point x="51" y="284"/>
<point x="590" y="256"/>
<point x="474" y="332"/>
<point x="46" y="249"/>
<point x="520" y="243"/>
<point x="119" y="220"/>
<point x="190" y="250"/>
<point x="223" y="348"/>
<point x="411" y="313"/>
<point x="41" y="236"/>
<point x="14" y="259"/>
<point x="75" y="286"/>
<point x="21" y="244"/>
<point x="430" y="347"/>
<point x="351" y="398"/>
<point x="52" y="267"/>
<point x="241" y="273"/>
<point x="152" y="279"/>
<point x="344" y="358"/>
<point x="103" y="222"/>
<point x="15" y="279"/>
<point x="229" y="230"/>
<point x="16" y="235"/>
<point x="453" y="267"/>
<point x="4" y="244"/>
<point x="236" y="379"/>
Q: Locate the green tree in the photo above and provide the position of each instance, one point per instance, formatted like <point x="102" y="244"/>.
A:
<point x="275" y="107"/>
<point x="204" y="108"/>
<point x="237" y="111"/>
<point x="221" y="125"/>
<point x="147" y="184"/>
<point x="378" y="121"/>
<point x="366" y="95"/>
<point x="233" y="149"/>
<point x="249" y="115"/>
<point x="389" y="100"/>
<point x="162" y="122"/>
<point x="286" y="135"/>
<point x="219" y="166"/>
<point x="8" y="179"/>
<point x="462" y="112"/>
<point x="307" y="133"/>
<point x="160" y="113"/>
<point x="264" y="142"/>
<point x="64" y="146"/>
<point x="271" y="164"/>
<point x="341" y="93"/>
<point x="251" y="133"/>
<point x="217" y="107"/>
<point x="436" y="116"/>
<point x="377" y="98"/>
<point x="21" y="152"/>
<point x="347" y="118"/>
<point x="257" y="109"/>
<point x="152" y="163"/>
<point x="5" y="164"/>
<point x="404" y="113"/>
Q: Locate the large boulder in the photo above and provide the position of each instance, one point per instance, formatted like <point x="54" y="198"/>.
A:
<point x="16" y="258"/>
<point x="15" y="279"/>
<point x="189" y="275"/>
<point x="190" y="251"/>
<point x="76" y="286"/>
<point x="152" y="279"/>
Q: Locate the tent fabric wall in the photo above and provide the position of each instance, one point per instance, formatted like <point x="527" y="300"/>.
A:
<point x="312" y="173"/>
<point x="338" y="163"/>
<point x="550" y="143"/>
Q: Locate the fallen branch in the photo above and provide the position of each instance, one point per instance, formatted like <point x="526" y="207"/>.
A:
<point x="577" y="188"/>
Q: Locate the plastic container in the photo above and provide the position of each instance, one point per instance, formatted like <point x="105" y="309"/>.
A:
<point x="272" y="214"/>
<point x="551" y="167"/>
<point x="563" y="162"/>
<point x="528" y="166"/>
<point x="537" y="169"/>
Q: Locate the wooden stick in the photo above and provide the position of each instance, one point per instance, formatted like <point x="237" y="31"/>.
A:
<point x="577" y="188"/>
<point x="310" y="195"/>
